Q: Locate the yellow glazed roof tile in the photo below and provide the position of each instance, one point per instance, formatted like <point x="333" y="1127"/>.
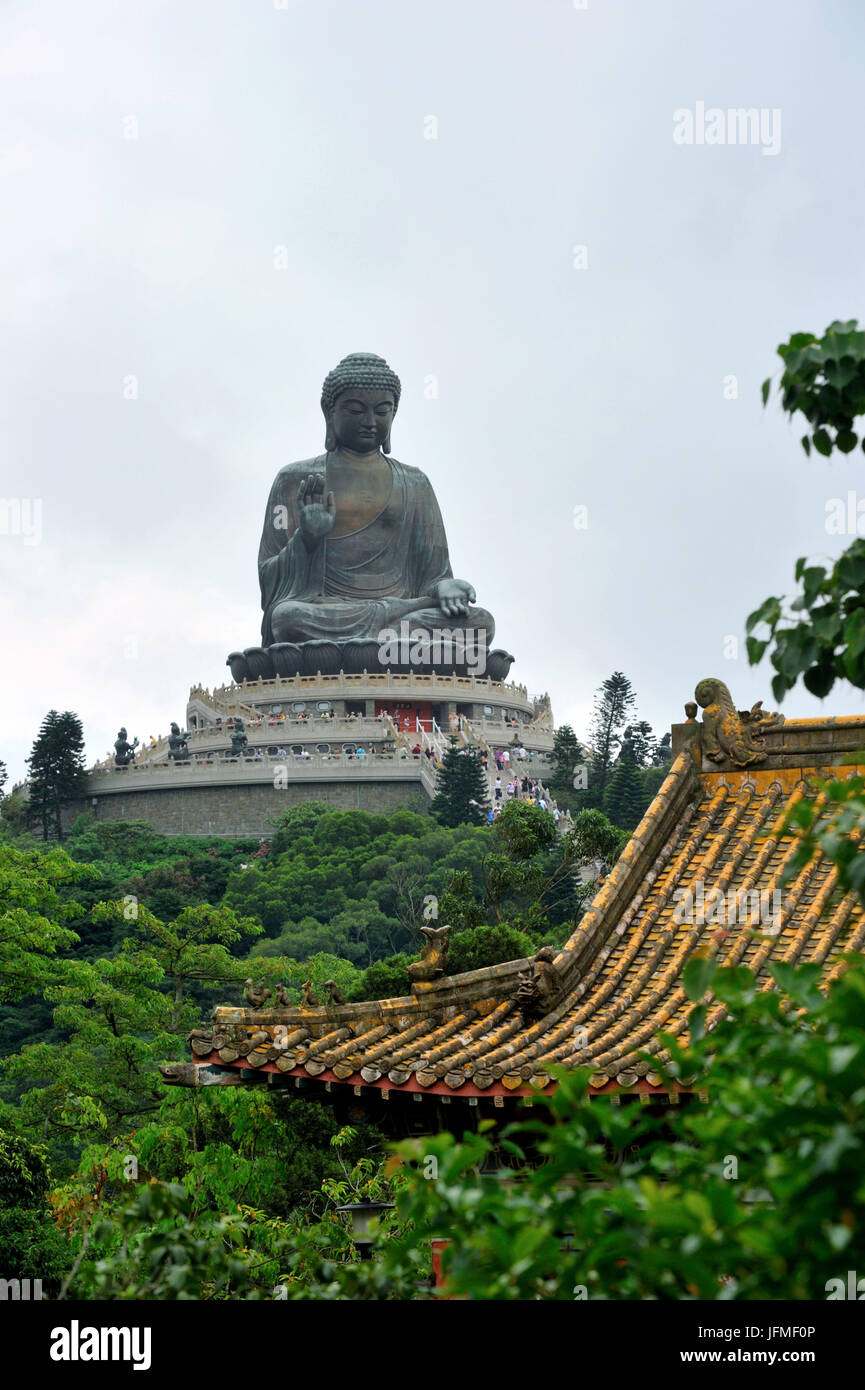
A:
<point x="702" y="872"/>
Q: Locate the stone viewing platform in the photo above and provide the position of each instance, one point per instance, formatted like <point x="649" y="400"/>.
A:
<point x="498" y="711"/>
<point x="368" y="741"/>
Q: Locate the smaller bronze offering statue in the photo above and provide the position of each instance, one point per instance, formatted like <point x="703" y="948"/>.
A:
<point x="178" y="749"/>
<point x="124" y="751"/>
<point x="239" y="740"/>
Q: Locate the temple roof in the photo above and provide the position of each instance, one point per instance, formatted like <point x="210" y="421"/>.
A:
<point x="714" y="827"/>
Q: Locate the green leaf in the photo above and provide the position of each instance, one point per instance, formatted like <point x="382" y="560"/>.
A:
<point x="755" y="649"/>
<point x="846" y="441"/>
<point x="813" y="578"/>
<point x="795" y="651"/>
<point x="850" y="569"/>
<point x="734" y="985"/>
<point x="798" y="340"/>
<point x="768" y="612"/>
<point x="697" y="976"/>
<point x="766" y="388"/>
<point x="854" y="632"/>
<point x="697" y="1024"/>
<point x="800" y="982"/>
<point x="826" y="622"/>
<point x="840" y="374"/>
<point x="822" y="443"/>
<point x="819" y="681"/>
<point x="780" y="686"/>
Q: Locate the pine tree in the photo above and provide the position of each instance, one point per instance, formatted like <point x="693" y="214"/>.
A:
<point x="625" y="799"/>
<point x="57" y="771"/>
<point x="461" y="788"/>
<point x="567" y="756"/>
<point x="613" y="703"/>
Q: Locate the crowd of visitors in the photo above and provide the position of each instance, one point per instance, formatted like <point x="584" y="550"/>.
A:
<point x="505" y="756"/>
<point x="520" y="789"/>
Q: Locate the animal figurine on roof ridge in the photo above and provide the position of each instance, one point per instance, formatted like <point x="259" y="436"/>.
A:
<point x="731" y="733"/>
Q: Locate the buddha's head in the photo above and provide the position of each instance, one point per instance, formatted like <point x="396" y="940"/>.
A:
<point x="359" y="399"/>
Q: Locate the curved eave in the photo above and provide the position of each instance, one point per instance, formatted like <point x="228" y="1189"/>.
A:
<point x="536" y="1089"/>
<point x="616" y="985"/>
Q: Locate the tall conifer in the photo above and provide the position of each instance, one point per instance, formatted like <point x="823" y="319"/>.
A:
<point x="57" y="771"/>
<point x="461" y="788"/>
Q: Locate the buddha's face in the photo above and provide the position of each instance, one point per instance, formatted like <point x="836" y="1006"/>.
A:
<point x="362" y="419"/>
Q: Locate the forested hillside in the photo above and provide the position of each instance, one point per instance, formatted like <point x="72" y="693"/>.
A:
<point x="119" y="942"/>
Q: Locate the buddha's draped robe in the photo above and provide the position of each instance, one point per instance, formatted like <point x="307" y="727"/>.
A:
<point x="354" y="586"/>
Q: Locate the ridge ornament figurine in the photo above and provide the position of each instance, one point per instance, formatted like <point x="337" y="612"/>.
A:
<point x="434" y="955"/>
<point x="731" y="733"/>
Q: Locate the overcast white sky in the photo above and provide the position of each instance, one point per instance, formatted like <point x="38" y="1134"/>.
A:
<point x="301" y="125"/>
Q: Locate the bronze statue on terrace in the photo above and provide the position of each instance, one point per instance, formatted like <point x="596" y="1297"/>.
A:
<point x="353" y="548"/>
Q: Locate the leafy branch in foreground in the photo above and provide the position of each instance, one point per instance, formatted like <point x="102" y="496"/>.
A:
<point x="821" y="636"/>
<point x="824" y="379"/>
<point x="836" y="829"/>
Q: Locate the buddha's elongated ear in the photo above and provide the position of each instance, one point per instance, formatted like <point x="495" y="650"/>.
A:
<point x="385" y="448"/>
<point x="330" y="439"/>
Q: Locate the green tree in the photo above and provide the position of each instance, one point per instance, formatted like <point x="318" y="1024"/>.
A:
<point x="480" y="946"/>
<point x="656" y="1210"/>
<point x="32" y="917"/>
<point x="103" y="1078"/>
<point x="352" y="883"/>
<point x="527" y="867"/>
<point x="121" y="1017"/>
<point x="624" y="802"/>
<point x="171" y="1240"/>
<point x="31" y="1246"/>
<point x="614" y="701"/>
<point x="194" y="947"/>
<point x="385" y="979"/>
<point x="461" y="788"/>
<point x="567" y="758"/>
<point x="57" y="771"/>
<point x="594" y="839"/>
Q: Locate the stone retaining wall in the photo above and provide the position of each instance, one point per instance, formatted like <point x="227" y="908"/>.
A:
<point x="245" y="810"/>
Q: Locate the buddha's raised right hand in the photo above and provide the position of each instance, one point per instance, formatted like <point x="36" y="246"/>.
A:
<point x="316" y="511"/>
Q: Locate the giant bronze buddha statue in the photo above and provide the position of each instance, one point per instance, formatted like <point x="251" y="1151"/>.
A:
<point x="353" y="553"/>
